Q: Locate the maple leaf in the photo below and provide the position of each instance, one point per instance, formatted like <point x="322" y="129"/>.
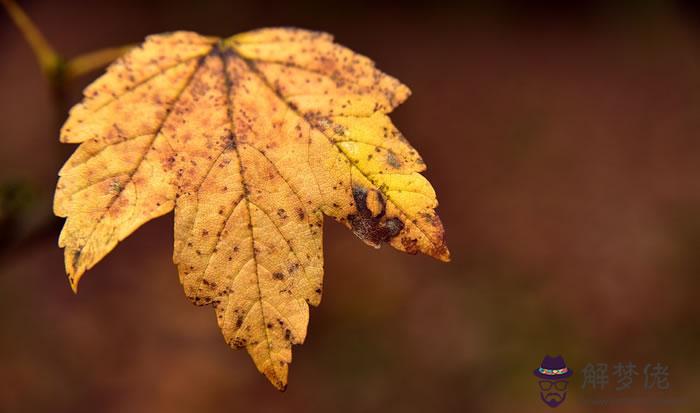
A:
<point x="250" y="140"/>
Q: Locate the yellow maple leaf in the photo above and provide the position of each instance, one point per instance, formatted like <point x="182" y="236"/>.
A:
<point x="250" y="140"/>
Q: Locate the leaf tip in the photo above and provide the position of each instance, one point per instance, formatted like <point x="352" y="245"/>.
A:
<point x="278" y="379"/>
<point x="73" y="280"/>
<point x="442" y="253"/>
<point x="73" y="268"/>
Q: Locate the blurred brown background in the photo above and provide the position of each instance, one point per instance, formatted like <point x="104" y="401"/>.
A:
<point x="564" y="143"/>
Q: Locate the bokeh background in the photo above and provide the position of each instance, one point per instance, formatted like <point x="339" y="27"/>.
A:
<point x="563" y="140"/>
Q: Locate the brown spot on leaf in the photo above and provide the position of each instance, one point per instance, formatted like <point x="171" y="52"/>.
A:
<point x="392" y="159"/>
<point x="76" y="258"/>
<point x="368" y="226"/>
<point x="410" y="245"/>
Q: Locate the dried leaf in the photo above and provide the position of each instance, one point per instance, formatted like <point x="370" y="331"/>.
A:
<point x="250" y="140"/>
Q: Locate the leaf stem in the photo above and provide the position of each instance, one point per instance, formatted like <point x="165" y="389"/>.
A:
<point x="49" y="61"/>
<point x="57" y="69"/>
<point x="88" y="62"/>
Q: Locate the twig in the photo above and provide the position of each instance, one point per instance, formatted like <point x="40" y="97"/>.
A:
<point x="57" y="69"/>
<point x="88" y="62"/>
<point x="49" y="61"/>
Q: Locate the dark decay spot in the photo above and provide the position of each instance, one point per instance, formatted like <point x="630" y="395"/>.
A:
<point x="372" y="229"/>
<point x="239" y="342"/>
<point x="282" y="213"/>
<point x="239" y="321"/>
<point x="410" y="245"/>
<point x="339" y="129"/>
<point x="301" y="214"/>
<point x="280" y="385"/>
<point x="392" y="160"/>
<point x="278" y="276"/>
<point x="76" y="259"/>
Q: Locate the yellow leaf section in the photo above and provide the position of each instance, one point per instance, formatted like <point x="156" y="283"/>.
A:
<point x="121" y="175"/>
<point x="368" y="175"/>
<point x="247" y="242"/>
